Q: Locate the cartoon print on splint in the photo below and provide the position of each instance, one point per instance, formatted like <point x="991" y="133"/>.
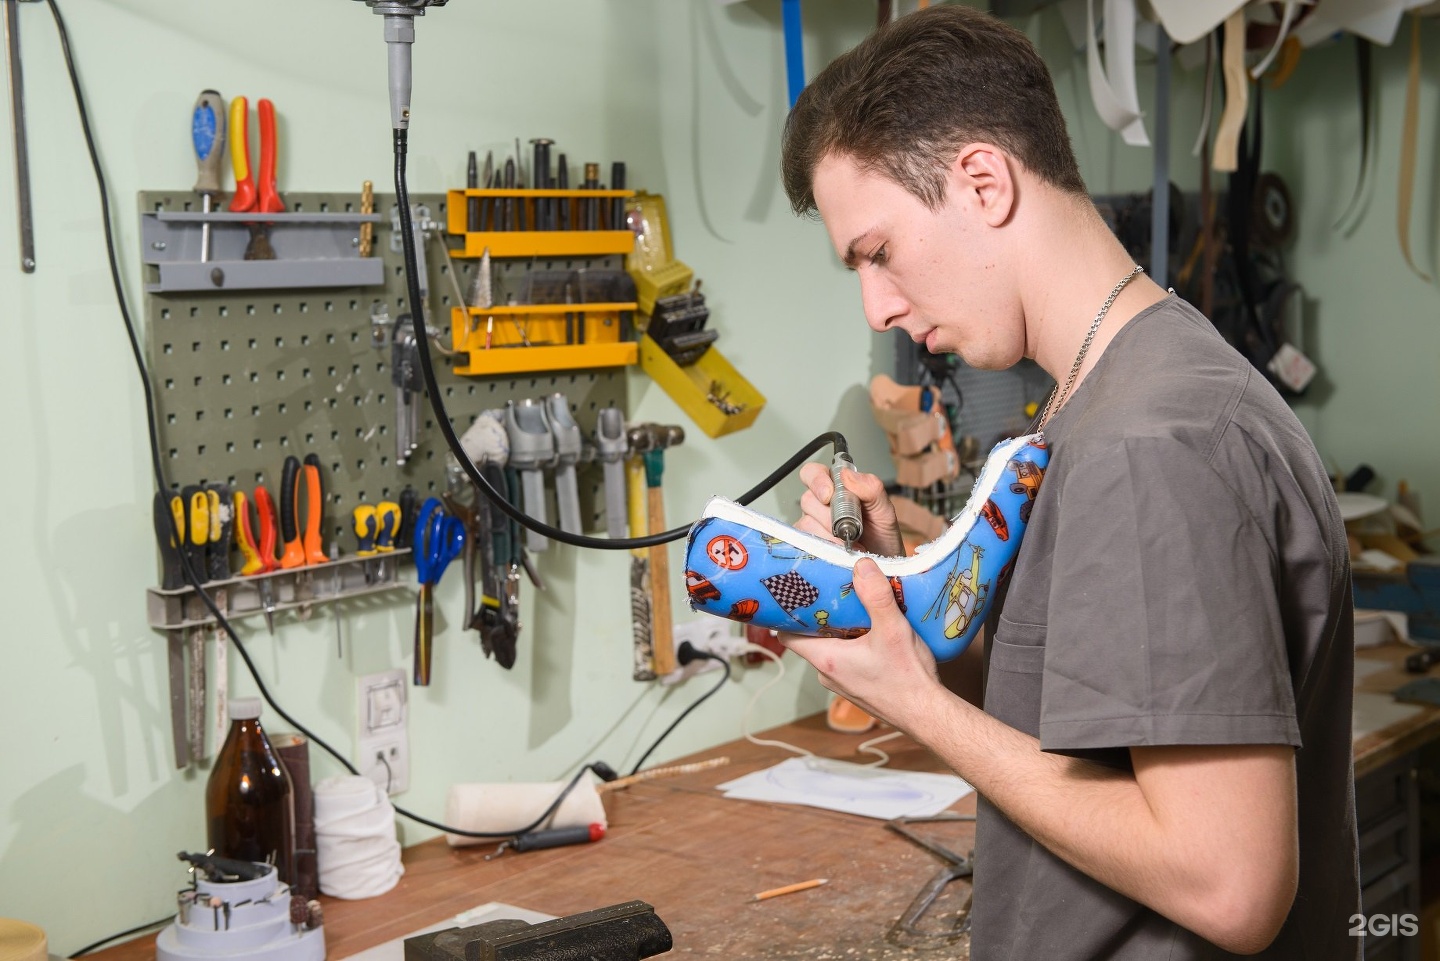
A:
<point x="896" y="587"/>
<point x="699" y="588"/>
<point x="962" y="597"/>
<point x="823" y="628"/>
<point x="790" y="552"/>
<point x="727" y="553"/>
<point x="1028" y="475"/>
<point x="991" y="512"/>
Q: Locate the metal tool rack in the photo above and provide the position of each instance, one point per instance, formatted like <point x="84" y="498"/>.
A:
<point x="244" y="378"/>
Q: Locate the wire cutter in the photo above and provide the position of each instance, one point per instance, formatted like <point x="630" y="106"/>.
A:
<point x="439" y="539"/>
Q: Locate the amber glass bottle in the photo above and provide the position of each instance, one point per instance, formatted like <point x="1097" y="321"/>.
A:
<point x="249" y="803"/>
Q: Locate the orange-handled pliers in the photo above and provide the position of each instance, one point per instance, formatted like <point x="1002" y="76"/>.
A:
<point x="248" y="194"/>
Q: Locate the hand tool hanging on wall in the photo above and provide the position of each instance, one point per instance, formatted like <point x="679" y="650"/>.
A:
<point x="170" y="519"/>
<point x="17" y="131"/>
<point x="439" y="538"/>
<point x="405" y="375"/>
<point x="314" y="511"/>
<point x="259" y="551"/>
<point x="661" y="632"/>
<point x="207" y="133"/>
<point x="567" y="451"/>
<point x="292" y="548"/>
<point x="198" y="501"/>
<point x="610" y="447"/>
<point x="532" y="448"/>
<point x="250" y="194"/>
<point x="642" y="650"/>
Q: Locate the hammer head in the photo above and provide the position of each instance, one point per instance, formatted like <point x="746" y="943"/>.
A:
<point x="640" y="438"/>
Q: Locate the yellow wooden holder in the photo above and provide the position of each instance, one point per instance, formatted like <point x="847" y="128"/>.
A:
<point x="691" y="385"/>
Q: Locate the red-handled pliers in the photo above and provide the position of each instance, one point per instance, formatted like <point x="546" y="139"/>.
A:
<point x="248" y="194"/>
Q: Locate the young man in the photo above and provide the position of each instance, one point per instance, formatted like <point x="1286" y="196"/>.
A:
<point x="1164" y="757"/>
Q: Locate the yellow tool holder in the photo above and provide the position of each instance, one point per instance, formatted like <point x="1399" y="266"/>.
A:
<point x="700" y="387"/>
<point x="521" y="338"/>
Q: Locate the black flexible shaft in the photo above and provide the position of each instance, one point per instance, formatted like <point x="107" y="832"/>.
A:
<point x="442" y="419"/>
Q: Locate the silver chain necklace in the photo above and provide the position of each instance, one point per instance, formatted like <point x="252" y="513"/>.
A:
<point x="1058" y="397"/>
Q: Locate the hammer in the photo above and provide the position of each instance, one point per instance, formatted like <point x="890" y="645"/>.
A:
<point x="651" y="440"/>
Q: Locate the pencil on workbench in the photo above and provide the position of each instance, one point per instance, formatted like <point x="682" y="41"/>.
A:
<point x="790" y="889"/>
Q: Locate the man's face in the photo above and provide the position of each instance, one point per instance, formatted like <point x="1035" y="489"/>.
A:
<point x="931" y="273"/>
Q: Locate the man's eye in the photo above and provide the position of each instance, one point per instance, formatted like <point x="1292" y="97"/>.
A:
<point x="880" y="256"/>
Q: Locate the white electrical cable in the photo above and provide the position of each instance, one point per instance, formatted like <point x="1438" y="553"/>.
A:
<point x="867" y="747"/>
<point x="750" y="648"/>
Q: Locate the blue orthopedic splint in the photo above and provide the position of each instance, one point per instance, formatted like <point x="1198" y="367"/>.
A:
<point x="748" y="567"/>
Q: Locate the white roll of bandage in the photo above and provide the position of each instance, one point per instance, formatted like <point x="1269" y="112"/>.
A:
<point x="498" y="808"/>
<point x="355" y="844"/>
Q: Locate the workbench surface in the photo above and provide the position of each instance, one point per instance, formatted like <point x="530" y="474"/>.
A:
<point x="698" y="857"/>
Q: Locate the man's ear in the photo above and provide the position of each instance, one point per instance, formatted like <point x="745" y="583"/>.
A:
<point x="984" y="173"/>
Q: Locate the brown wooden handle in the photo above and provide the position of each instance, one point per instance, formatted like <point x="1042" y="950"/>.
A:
<point x="662" y="636"/>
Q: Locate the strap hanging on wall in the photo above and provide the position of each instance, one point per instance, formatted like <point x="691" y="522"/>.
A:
<point x="1112" y="86"/>
<point x="1237" y="95"/>
<point x="1363" y="84"/>
<point x="1407" y="149"/>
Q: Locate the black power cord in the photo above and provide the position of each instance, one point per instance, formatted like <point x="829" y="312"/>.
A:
<point x="138" y="929"/>
<point x="684" y="654"/>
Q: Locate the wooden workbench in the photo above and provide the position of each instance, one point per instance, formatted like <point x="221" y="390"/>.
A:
<point x="698" y="857"/>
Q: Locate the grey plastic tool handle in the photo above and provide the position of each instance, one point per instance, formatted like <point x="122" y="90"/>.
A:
<point x="532" y="447"/>
<point x="567" y="499"/>
<point x="532" y="487"/>
<point x="564" y="428"/>
<point x="567" y="452"/>
<point x="615" y="507"/>
<point x="532" y="444"/>
<point x="610" y="435"/>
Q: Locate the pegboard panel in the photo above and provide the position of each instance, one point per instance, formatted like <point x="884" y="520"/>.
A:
<point x="245" y="378"/>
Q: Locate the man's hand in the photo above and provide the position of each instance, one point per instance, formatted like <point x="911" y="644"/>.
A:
<point x="889" y="672"/>
<point x="882" y="532"/>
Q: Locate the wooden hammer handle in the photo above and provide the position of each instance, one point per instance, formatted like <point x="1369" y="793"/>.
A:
<point x="662" y="637"/>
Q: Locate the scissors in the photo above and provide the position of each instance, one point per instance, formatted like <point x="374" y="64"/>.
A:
<point x="439" y="538"/>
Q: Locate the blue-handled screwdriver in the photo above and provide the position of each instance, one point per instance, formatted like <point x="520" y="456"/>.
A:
<point x="207" y="132"/>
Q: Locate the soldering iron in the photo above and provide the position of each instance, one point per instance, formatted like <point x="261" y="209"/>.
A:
<point x="399" y="37"/>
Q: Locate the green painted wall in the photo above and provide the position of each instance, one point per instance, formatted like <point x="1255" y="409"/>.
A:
<point x="1372" y="324"/>
<point x="691" y="94"/>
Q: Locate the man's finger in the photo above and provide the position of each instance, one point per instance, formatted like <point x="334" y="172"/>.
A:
<point x="876" y="594"/>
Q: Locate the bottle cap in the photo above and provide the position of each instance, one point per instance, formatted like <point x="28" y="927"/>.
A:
<point x="244" y="708"/>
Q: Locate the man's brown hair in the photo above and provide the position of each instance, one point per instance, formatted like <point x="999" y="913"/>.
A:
<point x="914" y="92"/>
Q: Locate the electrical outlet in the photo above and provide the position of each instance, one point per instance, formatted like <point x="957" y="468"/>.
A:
<point x="711" y="634"/>
<point x="383" y="746"/>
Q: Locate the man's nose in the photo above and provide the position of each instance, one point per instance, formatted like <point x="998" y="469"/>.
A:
<point x="883" y="304"/>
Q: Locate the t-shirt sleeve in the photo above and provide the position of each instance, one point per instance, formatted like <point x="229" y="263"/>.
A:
<point x="1165" y="624"/>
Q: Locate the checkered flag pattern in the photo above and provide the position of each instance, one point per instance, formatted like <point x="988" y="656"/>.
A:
<point x="791" y="591"/>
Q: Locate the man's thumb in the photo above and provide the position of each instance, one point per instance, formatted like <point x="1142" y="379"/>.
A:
<point x="875" y="592"/>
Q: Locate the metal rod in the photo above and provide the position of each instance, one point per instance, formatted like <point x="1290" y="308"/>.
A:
<point x="17" y="126"/>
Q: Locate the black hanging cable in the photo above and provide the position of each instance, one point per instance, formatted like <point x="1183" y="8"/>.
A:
<point x="442" y="418"/>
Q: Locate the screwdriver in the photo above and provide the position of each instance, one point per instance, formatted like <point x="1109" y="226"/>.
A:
<point x="207" y="132"/>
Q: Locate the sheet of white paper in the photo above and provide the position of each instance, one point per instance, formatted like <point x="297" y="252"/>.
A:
<point x="853" y="788"/>
<point x="493" y="911"/>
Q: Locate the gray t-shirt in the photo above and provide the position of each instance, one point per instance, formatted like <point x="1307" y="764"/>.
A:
<point x="1184" y="580"/>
